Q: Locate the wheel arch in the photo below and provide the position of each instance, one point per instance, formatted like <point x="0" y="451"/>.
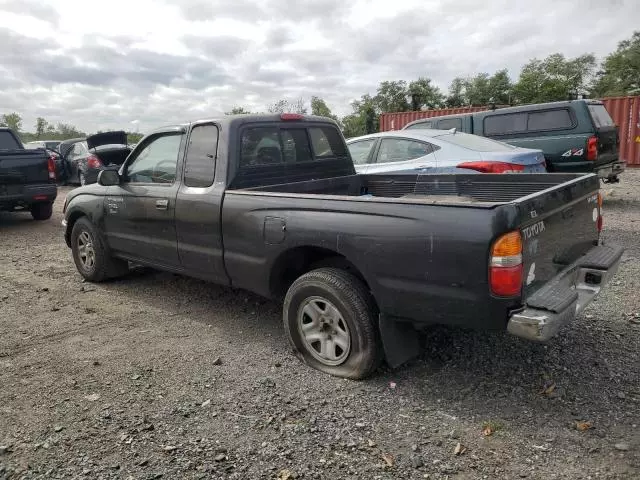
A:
<point x="297" y="261"/>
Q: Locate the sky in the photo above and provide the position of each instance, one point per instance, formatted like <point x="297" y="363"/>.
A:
<point x="140" y="64"/>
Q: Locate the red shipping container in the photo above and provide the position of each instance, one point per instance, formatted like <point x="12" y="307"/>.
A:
<point x="625" y="112"/>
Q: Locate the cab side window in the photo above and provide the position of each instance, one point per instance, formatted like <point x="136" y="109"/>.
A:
<point x="157" y="162"/>
<point x="201" y="156"/>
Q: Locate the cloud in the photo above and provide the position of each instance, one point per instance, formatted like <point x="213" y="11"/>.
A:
<point x="175" y="60"/>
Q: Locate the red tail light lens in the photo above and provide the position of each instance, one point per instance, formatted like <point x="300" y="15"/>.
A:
<point x="505" y="265"/>
<point x="492" y="167"/>
<point x="592" y="149"/>
<point x="51" y="167"/>
<point x="93" y="162"/>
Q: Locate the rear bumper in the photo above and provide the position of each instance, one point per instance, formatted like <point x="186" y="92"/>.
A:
<point x="566" y="295"/>
<point x="28" y="195"/>
<point x="611" y="170"/>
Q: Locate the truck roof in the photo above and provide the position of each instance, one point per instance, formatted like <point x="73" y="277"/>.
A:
<point x="240" y="119"/>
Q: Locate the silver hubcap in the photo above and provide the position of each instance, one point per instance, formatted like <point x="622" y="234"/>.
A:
<point x="86" y="253"/>
<point x="324" y="332"/>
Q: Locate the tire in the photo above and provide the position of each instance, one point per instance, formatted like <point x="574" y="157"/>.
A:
<point x="93" y="261"/>
<point x="42" y="211"/>
<point x="82" y="178"/>
<point x="316" y="292"/>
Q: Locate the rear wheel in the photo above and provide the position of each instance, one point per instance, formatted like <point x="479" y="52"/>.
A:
<point x="91" y="254"/>
<point x="330" y="319"/>
<point x="42" y="211"/>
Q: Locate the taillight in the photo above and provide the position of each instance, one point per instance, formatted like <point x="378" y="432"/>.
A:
<point x="93" y="162"/>
<point x="505" y="265"/>
<point x="51" y="167"/>
<point x="592" y="149"/>
<point x="492" y="167"/>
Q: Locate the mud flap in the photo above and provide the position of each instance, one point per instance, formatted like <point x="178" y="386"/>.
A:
<point x="399" y="339"/>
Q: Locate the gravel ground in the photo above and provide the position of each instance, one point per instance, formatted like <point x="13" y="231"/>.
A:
<point x="160" y="376"/>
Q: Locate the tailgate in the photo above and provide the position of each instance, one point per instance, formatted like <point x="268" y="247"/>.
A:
<point x="559" y="226"/>
<point x="22" y="167"/>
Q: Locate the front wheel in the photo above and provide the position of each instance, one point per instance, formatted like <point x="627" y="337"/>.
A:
<point x="42" y="211"/>
<point x="330" y="319"/>
<point x="91" y="254"/>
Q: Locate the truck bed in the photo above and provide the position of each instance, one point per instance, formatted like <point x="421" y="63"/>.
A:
<point x="479" y="190"/>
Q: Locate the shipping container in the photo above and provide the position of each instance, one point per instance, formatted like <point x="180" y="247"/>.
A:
<point x="625" y="112"/>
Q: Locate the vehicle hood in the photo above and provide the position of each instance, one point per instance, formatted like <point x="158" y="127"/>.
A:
<point x="518" y="156"/>
<point x="107" y="138"/>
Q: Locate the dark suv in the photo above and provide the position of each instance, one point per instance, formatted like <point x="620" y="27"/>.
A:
<point x="575" y="136"/>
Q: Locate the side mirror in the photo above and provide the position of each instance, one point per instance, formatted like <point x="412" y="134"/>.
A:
<point x="108" y="178"/>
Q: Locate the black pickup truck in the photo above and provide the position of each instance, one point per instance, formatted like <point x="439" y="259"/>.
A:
<point x="272" y="204"/>
<point x="27" y="177"/>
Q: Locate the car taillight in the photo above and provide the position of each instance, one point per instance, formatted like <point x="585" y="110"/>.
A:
<point x="592" y="149"/>
<point x="505" y="265"/>
<point x="51" y="167"/>
<point x="492" y="167"/>
<point x="93" y="162"/>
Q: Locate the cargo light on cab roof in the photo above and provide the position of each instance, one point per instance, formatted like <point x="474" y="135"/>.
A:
<point x="505" y="265"/>
<point x="291" y="116"/>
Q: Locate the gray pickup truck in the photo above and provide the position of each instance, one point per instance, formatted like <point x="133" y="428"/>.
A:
<point x="27" y="177"/>
<point x="272" y="204"/>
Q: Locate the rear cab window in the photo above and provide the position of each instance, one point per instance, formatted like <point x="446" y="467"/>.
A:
<point x="600" y="116"/>
<point x="262" y="145"/>
<point x="529" y="122"/>
<point x="8" y="141"/>
<point x="290" y="151"/>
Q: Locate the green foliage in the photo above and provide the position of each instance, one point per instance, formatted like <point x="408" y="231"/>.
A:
<point x="238" y="111"/>
<point x="620" y="74"/>
<point x="11" y="120"/>
<point x="456" y="96"/>
<point x="392" y="97"/>
<point x="134" y="137"/>
<point x="424" y="95"/>
<point x="555" y="78"/>
<point x="288" y="106"/>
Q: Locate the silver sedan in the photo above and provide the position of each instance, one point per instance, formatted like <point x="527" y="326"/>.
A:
<point x="440" y="151"/>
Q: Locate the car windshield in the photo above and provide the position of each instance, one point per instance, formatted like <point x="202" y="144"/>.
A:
<point x="474" y="142"/>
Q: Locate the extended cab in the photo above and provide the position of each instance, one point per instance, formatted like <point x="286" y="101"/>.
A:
<point x="27" y="177"/>
<point x="272" y="204"/>
<point x="575" y="136"/>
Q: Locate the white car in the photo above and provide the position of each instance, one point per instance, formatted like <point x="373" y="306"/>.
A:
<point x="427" y="151"/>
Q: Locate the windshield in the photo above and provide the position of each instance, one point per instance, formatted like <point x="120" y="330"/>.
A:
<point x="474" y="142"/>
<point x="7" y="141"/>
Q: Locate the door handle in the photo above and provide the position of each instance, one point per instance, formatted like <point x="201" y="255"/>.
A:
<point x="162" y="204"/>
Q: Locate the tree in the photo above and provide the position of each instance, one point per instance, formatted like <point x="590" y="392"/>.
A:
<point x="287" y="106"/>
<point x="483" y="89"/>
<point x="41" y="127"/>
<point x="238" y="111"/>
<point x="320" y="108"/>
<point x="456" y="96"/>
<point x="620" y="74"/>
<point x="424" y="95"/>
<point x="553" y="79"/>
<point x="364" y="118"/>
<point x="392" y="97"/>
<point x="12" y="120"/>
